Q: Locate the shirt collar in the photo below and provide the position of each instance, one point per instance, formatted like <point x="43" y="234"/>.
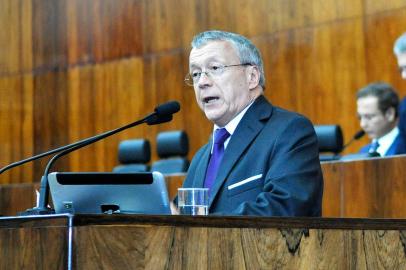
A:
<point x="386" y="141"/>
<point x="232" y="125"/>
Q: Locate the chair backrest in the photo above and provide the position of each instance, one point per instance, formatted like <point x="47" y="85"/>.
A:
<point x="330" y="139"/>
<point x="134" y="156"/>
<point x="172" y="148"/>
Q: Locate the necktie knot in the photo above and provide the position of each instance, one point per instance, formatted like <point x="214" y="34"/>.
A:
<point x="374" y="147"/>
<point x="221" y="135"/>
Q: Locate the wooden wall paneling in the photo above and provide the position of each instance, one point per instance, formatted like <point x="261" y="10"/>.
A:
<point x="50" y="116"/>
<point x="315" y="72"/>
<point x="16" y="38"/>
<point x="193" y="19"/>
<point x="292" y="14"/>
<point x="381" y="31"/>
<point x="16" y="126"/>
<point x="332" y="11"/>
<point x="104" y="97"/>
<point x="161" y="25"/>
<point x="81" y="118"/>
<point x="251" y="17"/>
<point x="116" y="28"/>
<point x="348" y="74"/>
<point x="221" y="15"/>
<point x="49" y="29"/>
<point x="280" y="68"/>
<point x="373" y="6"/>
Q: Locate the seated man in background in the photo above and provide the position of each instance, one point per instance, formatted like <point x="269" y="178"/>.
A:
<point x="262" y="160"/>
<point x="377" y="108"/>
<point x="399" y="49"/>
<point x="400" y="52"/>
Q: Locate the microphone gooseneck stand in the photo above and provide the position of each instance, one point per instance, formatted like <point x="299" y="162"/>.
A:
<point x="163" y="113"/>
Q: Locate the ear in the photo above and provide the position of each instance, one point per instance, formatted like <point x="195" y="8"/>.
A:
<point x="390" y="114"/>
<point x="253" y="76"/>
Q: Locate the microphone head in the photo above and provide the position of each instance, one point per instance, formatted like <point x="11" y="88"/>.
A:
<point x="167" y="108"/>
<point x="359" y="134"/>
<point x="157" y="119"/>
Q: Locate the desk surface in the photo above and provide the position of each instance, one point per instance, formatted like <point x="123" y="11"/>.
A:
<point x="203" y="221"/>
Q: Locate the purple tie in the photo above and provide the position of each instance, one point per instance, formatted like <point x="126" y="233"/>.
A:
<point x="220" y="136"/>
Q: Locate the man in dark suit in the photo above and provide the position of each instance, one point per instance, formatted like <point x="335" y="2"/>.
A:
<point x="377" y="107"/>
<point x="264" y="160"/>
<point x="399" y="49"/>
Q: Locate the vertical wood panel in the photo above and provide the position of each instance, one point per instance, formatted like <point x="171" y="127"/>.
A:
<point x="373" y="6"/>
<point x="16" y="125"/>
<point x="15" y="37"/>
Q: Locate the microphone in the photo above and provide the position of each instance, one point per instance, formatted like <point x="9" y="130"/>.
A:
<point x="356" y="136"/>
<point x="162" y="113"/>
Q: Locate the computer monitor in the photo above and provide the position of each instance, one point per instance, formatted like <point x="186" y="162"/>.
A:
<point x="96" y="193"/>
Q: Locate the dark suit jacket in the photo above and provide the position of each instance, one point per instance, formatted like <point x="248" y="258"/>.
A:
<point x="398" y="146"/>
<point x="270" y="167"/>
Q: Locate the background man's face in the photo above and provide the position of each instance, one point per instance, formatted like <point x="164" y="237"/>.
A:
<point x="223" y="96"/>
<point x="402" y="64"/>
<point x="374" y="122"/>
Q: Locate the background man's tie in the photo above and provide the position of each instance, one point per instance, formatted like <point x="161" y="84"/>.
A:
<point x="374" y="146"/>
<point x="220" y="136"/>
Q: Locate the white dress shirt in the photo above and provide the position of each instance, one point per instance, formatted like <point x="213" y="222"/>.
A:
<point x="231" y="126"/>
<point x="386" y="141"/>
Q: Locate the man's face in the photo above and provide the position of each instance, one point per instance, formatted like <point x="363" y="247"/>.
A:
<point x="402" y="64"/>
<point x="221" y="96"/>
<point x="375" y="123"/>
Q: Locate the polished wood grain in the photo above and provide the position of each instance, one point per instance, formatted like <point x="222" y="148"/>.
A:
<point x="34" y="244"/>
<point x="365" y="188"/>
<point x="182" y="242"/>
<point x="70" y="69"/>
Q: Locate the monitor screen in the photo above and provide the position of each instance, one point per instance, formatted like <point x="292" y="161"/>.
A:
<point x="96" y="193"/>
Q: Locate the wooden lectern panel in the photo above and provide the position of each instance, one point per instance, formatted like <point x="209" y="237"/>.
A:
<point x="185" y="242"/>
<point x="34" y="243"/>
<point x="240" y="243"/>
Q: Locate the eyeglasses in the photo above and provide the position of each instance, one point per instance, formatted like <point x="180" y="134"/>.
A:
<point x="213" y="71"/>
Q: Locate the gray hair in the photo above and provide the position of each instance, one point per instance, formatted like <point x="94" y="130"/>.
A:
<point x="246" y="50"/>
<point x="400" y="45"/>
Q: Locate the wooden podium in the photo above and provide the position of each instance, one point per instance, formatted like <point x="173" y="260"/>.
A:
<point x="182" y="242"/>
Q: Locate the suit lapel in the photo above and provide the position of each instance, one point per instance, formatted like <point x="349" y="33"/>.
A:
<point x="201" y="168"/>
<point x="246" y="131"/>
<point x="392" y="148"/>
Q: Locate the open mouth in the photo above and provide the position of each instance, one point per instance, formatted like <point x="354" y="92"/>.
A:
<point x="208" y="100"/>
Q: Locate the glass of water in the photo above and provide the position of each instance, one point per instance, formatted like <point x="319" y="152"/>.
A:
<point x="193" y="201"/>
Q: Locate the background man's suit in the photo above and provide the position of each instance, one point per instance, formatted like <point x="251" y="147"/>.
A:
<point x="270" y="167"/>
<point x="398" y="146"/>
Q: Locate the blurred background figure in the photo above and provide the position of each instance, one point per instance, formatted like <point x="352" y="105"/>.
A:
<point x="377" y="108"/>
